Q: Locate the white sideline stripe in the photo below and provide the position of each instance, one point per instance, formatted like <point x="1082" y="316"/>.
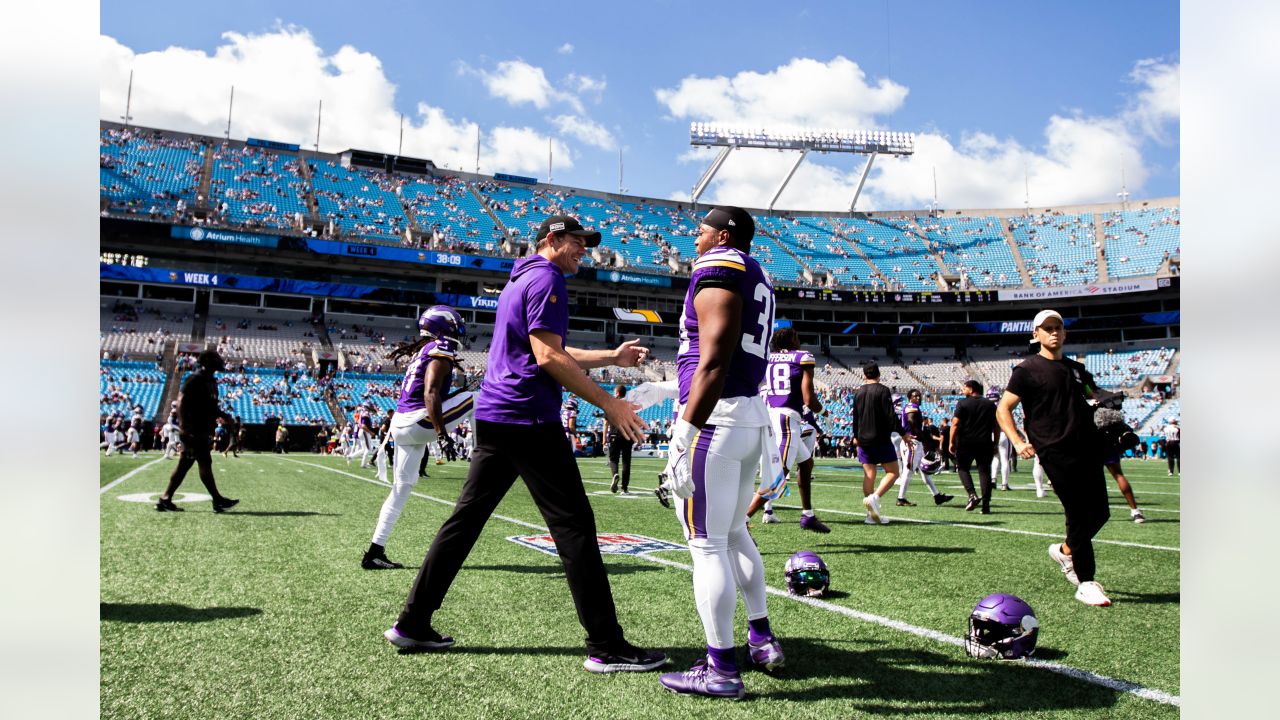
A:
<point x="1076" y="673"/>
<point x="126" y="476"/>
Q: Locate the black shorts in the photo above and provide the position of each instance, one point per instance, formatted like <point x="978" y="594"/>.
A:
<point x="196" y="447"/>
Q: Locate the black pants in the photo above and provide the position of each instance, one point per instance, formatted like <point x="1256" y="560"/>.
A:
<point x="195" y="451"/>
<point x="541" y="455"/>
<point x="1173" y="454"/>
<point x="620" y="450"/>
<point x="1081" y="486"/>
<point x="981" y="455"/>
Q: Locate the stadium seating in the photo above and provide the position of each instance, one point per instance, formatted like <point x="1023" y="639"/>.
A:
<point x="280" y="337"/>
<point x="974" y="246"/>
<point x="136" y="327"/>
<point x="1057" y="248"/>
<point x="255" y="394"/>
<point x="359" y="202"/>
<point x="356" y="388"/>
<point x="124" y="384"/>
<point x="142" y="172"/>
<point x="1138" y="241"/>
<point x="896" y="247"/>
<point x="260" y="188"/>
<point x="447" y="207"/>
<point x="1126" y="368"/>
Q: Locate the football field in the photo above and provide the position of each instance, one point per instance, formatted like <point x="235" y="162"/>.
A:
<point x="264" y="611"/>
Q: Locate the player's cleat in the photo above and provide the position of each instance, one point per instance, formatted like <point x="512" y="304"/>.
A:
<point x="1138" y="516"/>
<point x="867" y="520"/>
<point x="379" y="562"/>
<point x="1068" y="565"/>
<point x="985" y="511"/>
<point x="973" y="503"/>
<point x="1004" y="487"/>
<point x="770" y="518"/>
<point x="1041" y="493"/>
<point x="767" y="656"/>
<point x="872" y="504"/>
<point x="617" y="480"/>
<point x="1091" y="593"/>
<point x="702" y="679"/>
<point x="941" y="498"/>
<point x="163" y="505"/>
<point x="903" y="502"/>
<point x="626" y="658"/>
<point x="811" y="522"/>
<point x="439" y="461"/>
<point x="224" y="504"/>
<point x="661" y="492"/>
<point x="431" y="640"/>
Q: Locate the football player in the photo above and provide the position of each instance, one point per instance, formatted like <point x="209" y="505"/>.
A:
<point x="721" y="437"/>
<point x="1000" y="461"/>
<point x="912" y="448"/>
<point x="788" y="390"/>
<point x="425" y="412"/>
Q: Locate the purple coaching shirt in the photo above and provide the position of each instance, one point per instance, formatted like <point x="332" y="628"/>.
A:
<point x="515" y="390"/>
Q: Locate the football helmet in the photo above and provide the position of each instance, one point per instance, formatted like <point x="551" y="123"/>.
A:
<point x="993" y="394"/>
<point x="807" y="575"/>
<point x="442" y="321"/>
<point x="931" y="463"/>
<point x="1002" y="626"/>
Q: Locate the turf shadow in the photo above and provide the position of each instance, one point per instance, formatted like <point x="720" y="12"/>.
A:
<point x="884" y="680"/>
<point x="169" y="612"/>
<point x="557" y="570"/>
<point x="860" y="548"/>
<point x="280" y="513"/>
<point x="1152" y="598"/>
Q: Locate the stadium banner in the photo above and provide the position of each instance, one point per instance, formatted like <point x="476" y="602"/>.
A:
<point x="170" y="276"/>
<point x="200" y="234"/>
<point x="515" y="178"/>
<point x="1096" y="289"/>
<point x="644" y="316"/>
<point x="413" y="255"/>
<point x="272" y="144"/>
<point x="618" y="276"/>
<point x="468" y="301"/>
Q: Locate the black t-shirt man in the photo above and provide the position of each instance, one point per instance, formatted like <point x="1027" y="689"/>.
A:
<point x="874" y="418"/>
<point x="977" y="417"/>
<point x="1054" y="396"/>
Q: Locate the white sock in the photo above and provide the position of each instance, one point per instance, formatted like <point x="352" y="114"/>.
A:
<point x="807" y="513"/>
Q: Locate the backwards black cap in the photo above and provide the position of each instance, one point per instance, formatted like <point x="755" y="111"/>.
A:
<point x="569" y="225"/>
<point x="210" y="359"/>
<point x="734" y="219"/>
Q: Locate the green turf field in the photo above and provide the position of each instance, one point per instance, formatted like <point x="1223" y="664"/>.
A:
<point x="264" y="611"/>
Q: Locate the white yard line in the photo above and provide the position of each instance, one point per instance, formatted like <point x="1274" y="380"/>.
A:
<point x="1076" y="673"/>
<point x="126" y="476"/>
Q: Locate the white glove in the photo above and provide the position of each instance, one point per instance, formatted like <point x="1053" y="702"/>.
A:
<point x="680" y="480"/>
<point x="647" y="394"/>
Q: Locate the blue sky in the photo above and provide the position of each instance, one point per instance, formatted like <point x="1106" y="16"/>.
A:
<point x="1066" y="94"/>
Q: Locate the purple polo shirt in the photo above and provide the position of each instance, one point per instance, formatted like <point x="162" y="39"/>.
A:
<point x="515" y="390"/>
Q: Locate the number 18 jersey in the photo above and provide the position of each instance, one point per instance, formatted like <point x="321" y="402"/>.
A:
<point x="782" y="378"/>
<point x="737" y="271"/>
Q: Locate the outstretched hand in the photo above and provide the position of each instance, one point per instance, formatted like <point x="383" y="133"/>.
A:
<point x="630" y="353"/>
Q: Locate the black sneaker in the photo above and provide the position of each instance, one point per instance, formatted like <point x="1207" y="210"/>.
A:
<point x="224" y="504"/>
<point x="662" y="493"/>
<point x="379" y="562"/>
<point x="941" y="498"/>
<point x="628" y="658"/>
<point x="613" y="486"/>
<point x="972" y="504"/>
<point x="163" y="505"/>
<point x="903" y="502"/>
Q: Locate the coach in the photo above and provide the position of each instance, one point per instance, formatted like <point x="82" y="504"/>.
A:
<point x="518" y="433"/>
<point x="198" y="412"/>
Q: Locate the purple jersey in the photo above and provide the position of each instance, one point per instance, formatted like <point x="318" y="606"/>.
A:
<point x="413" y="392"/>
<point x="515" y="390"/>
<point x="782" y="378"/>
<point x="912" y="424"/>
<point x="733" y="269"/>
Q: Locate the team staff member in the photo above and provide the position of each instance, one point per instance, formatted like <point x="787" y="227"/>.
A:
<point x="1173" y="446"/>
<point x="1059" y="422"/>
<point x="873" y="426"/>
<point x="973" y="430"/>
<point x="518" y="434"/>
<point x="619" y="450"/>
<point x="198" y="412"/>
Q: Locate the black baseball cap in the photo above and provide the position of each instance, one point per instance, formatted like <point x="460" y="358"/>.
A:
<point x="734" y="219"/>
<point x="211" y="360"/>
<point x="569" y="225"/>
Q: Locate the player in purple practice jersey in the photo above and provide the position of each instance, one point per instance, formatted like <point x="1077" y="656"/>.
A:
<point x="911" y="448"/>
<point x="718" y="442"/>
<point x="424" y="414"/>
<point x="788" y="389"/>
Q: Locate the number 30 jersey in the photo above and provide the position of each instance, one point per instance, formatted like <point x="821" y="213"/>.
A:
<point x="726" y="267"/>
<point x="782" y="378"/>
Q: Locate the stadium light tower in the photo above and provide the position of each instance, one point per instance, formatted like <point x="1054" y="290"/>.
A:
<point x="857" y="142"/>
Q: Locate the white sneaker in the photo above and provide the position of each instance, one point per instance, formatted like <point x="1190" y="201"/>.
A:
<point x="866" y="520"/>
<point x="1068" y="566"/>
<point x="872" y="504"/>
<point x="1137" y="516"/>
<point x="1091" y="593"/>
<point x="1041" y="493"/>
<point x="770" y="518"/>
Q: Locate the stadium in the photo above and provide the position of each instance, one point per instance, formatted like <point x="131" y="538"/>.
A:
<point x="304" y="269"/>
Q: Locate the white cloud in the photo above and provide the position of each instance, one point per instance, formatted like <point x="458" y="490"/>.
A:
<point x="565" y="49"/>
<point x="586" y="85"/>
<point x="585" y="130"/>
<point x="520" y="83"/>
<point x="279" y="76"/>
<point x="1079" y="160"/>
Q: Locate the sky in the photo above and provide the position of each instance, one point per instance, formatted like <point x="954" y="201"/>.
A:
<point x="1066" y="103"/>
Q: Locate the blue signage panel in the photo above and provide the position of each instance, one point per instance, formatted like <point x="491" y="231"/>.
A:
<point x="201" y="234"/>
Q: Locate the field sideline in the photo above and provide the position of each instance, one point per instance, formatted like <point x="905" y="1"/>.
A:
<point x="264" y="611"/>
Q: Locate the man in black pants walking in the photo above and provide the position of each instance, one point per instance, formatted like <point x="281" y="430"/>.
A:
<point x="619" y="450"/>
<point x="1054" y="391"/>
<point x="973" y="439"/>
<point x="518" y="433"/>
<point x="198" y="412"/>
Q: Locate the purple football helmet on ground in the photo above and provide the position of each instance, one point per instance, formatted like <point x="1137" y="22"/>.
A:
<point x="442" y="321"/>
<point x="1002" y="626"/>
<point x="931" y="463"/>
<point x="807" y="575"/>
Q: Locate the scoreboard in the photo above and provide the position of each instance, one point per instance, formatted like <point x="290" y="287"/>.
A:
<point x="865" y="297"/>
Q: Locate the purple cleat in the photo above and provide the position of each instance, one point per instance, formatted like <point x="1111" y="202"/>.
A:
<point x="811" y="522"/>
<point x="766" y="656"/>
<point x="702" y="679"/>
